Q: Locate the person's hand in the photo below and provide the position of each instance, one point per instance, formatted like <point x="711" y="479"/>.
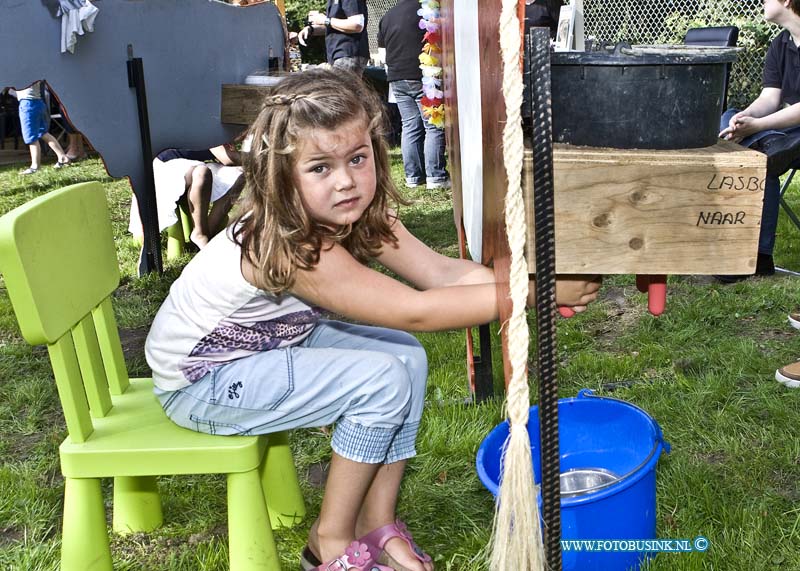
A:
<point x="316" y="18"/>
<point x="729" y="134"/>
<point x="747" y="125"/>
<point x="302" y="36"/>
<point x="741" y="126"/>
<point x="734" y="121"/>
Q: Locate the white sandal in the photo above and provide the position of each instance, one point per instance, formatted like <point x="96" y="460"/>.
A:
<point x="29" y="170"/>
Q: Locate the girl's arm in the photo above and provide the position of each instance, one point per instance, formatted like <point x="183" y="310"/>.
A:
<point x="340" y="284"/>
<point x="425" y="268"/>
<point x="414" y="261"/>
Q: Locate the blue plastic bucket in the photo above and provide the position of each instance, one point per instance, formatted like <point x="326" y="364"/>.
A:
<point x="618" y="445"/>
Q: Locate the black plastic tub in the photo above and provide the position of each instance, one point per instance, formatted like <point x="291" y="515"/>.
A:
<point x="645" y="97"/>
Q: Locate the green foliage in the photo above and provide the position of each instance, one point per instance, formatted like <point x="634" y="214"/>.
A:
<point x="755" y="35"/>
<point x="640" y="22"/>
<point x="296" y="13"/>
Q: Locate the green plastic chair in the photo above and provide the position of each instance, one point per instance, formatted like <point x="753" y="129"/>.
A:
<point x="58" y="257"/>
<point x="178" y="233"/>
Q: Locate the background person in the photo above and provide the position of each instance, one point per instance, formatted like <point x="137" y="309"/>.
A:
<point x="543" y="14"/>
<point x="344" y="25"/>
<point x="200" y="177"/>
<point x="34" y="119"/>
<point x="422" y="144"/>
<point x="771" y="123"/>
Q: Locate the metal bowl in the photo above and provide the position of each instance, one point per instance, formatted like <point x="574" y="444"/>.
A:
<point x="581" y="481"/>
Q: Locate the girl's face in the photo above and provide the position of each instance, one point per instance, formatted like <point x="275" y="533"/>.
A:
<point x="334" y="172"/>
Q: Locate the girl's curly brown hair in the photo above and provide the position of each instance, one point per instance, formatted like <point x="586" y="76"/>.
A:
<point x="274" y="231"/>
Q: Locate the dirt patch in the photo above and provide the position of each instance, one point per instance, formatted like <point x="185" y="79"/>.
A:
<point x="784" y="484"/>
<point x="20" y="445"/>
<point x="133" y="342"/>
<point x="622" y="313"/>
<point x="714" y="458"/>
<point x="317" y="474"/>
<point x="10" y="534"/>
<point x="783" y="334"/>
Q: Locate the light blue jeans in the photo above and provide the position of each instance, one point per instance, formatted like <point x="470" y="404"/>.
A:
<point x="421" y="143"/>
<point x="370" y="381"/>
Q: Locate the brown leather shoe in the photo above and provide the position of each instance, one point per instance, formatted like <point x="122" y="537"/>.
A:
<point x="789" y="375"/>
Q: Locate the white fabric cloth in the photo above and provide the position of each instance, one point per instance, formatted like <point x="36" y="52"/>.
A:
<point x="65" y="6"/>
<point x="75" y="23"/>
<point x="213" y="316"/>
<point x="170" y="179"/>
<point x="33" y="92"/>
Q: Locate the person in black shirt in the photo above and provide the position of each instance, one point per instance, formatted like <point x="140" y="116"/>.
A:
<point x="344" y="24"/>
<point x="542" y="14"/>
<point x="772" y="122"/>
<point x="421" y="143"/>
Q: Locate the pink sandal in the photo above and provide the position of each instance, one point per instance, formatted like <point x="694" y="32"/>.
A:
<point x="376" y="541"/>
<point x="357" y="556"/>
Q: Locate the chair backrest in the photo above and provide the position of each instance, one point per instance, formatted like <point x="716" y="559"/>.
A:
<point x="719" y="36"/>
<point x="59" y="261"/>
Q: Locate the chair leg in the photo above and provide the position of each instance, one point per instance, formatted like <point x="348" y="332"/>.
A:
<point x="186" y="220"/>
<point x="281" y="487"/>
<point x="175" y="241"/>
<point x="84" y="540"/>
<point x="137" y="504"/>
<point x="250" y="541"/>
<point x="784" y="187"/>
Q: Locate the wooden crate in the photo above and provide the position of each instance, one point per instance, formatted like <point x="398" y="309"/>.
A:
<point x="694" y="211"/>
<point x="240" y="104"/>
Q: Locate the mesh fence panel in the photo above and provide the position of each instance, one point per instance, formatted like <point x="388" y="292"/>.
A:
<point x="376" y="9"/>
<point x="666" y="22"/>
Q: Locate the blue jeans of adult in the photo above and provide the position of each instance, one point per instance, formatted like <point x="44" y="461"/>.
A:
<point x="421" y="143"/>
<point x="772" y="190"/>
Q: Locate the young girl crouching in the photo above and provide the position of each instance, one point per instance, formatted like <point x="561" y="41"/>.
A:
<point x="240" y="346"/>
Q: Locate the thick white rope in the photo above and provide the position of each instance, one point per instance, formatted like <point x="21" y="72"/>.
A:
<point x="517" y="537"/>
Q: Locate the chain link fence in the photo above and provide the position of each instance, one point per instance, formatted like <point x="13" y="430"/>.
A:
<point x="664" y="22"/>
<point x="376" y="9"/>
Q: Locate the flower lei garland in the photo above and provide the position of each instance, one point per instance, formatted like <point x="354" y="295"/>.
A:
<point x="433" y="98"/>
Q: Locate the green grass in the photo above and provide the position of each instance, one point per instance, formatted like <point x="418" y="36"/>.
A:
<point x="703" y="370"/>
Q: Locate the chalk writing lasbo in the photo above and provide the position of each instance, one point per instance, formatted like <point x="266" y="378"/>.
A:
<point x="725" y="182"/>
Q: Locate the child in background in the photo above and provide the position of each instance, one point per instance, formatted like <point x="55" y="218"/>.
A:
<point x="199" y="179"/>
<point x="239" y="345"/>
<point x="34" y="118"/>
